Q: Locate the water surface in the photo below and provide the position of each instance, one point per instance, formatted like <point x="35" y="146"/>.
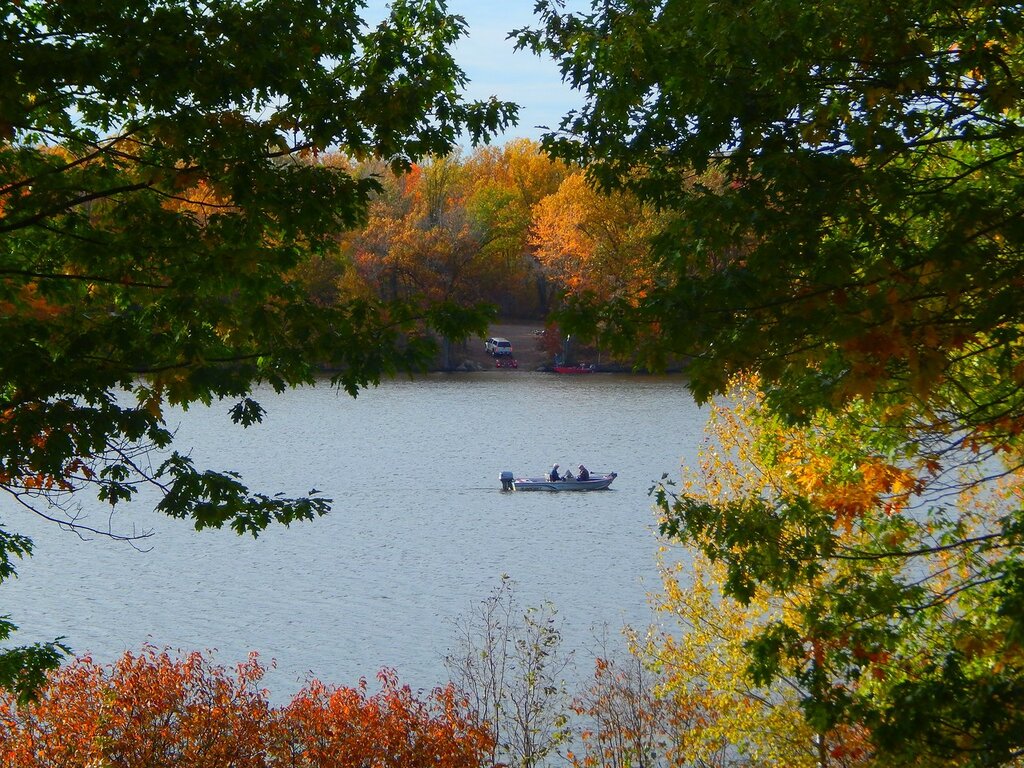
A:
<point x="420" y="530"/>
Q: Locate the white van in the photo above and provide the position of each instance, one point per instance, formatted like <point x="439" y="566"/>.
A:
<point x="501" y="347"/>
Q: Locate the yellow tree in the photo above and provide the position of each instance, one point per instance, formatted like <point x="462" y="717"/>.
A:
<point x="520" y="167"/>
<point x="864" y="568"/>
<point x="731" y="715"/>
<point x="504" y="183"/>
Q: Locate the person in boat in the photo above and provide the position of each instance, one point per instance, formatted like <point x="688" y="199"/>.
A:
<point x="553" y="474"/>
<point x="584" y="473"/>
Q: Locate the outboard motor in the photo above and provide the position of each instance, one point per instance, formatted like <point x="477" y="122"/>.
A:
<point x="506" y="481"/>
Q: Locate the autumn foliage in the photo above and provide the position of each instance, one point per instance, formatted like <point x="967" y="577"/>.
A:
<point x="589" y="242"/>
<point x="626" y="722"/>
<point x="457" y="228"/>
<point x="154" y="709"/>
<point x="849" y="597"/>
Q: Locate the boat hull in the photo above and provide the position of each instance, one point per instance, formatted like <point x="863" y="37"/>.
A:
<point x="595" y="483"/>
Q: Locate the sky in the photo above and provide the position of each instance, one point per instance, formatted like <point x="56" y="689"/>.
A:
<point x="494" y="68"/>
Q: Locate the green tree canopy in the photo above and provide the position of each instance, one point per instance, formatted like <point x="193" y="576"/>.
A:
<point x="159" y="182"/>
<point x="847" y="180"/>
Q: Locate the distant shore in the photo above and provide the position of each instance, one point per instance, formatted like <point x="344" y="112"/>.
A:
<point x="530" y="351"/>
<point x="527" y="349"/>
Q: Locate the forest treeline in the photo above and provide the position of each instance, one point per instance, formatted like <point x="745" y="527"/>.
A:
<point x="506" y="226"/>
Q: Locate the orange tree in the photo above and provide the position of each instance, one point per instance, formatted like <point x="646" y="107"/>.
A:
<point x="158" y="184"/>
<point x="325" y="726"/>
<point x="420" y="242"/>
<point x="146" y="709"/>
<point x="419" y="239"/>
<point x="505" y="184"/>
<point x="595" y="244"/>
<point x="862" y="249"/>
<point x="151" y="709"/>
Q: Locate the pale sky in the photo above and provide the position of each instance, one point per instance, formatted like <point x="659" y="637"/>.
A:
<point x="494" y="68"/>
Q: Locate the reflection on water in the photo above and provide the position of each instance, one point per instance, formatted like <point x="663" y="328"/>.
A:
<point x="419" y="533"/>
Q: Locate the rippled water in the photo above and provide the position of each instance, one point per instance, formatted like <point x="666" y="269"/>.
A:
<point x="420" y="530"/>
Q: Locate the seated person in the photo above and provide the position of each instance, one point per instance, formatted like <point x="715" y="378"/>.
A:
<point x="584" y="473"/>
<point x="553" y="475"/>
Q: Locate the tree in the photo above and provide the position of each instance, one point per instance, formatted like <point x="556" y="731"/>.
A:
<point x="325" y="727"/>
<point x="158" y="184"/>
<point x="420" y="243"/>
<point x="703" y="648"/>
<point x="861" y="248"/>
<point x="151" y="709"/>
<point x="146" y="709"/>
<point x="895" y="578"/>
<point x="509" y="666"/>
<point x="506" y="184"/>
<point x="862" y="228"/>
<point x="459" y="228"/>
<point x="595" y="244"/>
<point x="626" y="722"/>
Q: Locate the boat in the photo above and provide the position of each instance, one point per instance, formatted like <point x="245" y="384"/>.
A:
<point x="580" y="368"/>
<point x="598" y="481"/>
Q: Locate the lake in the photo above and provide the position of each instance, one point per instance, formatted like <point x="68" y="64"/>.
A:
<point x="420" y="531"/>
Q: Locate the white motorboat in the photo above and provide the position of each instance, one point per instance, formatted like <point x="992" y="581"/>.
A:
<point x="597" y="481"/>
